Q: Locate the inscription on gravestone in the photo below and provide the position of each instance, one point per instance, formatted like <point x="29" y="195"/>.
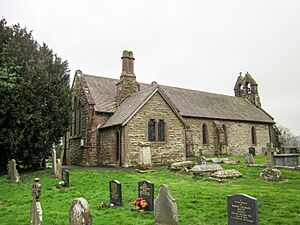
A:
<point x="242" y="210"/>
<point x="115" y="190"/>
<point x="146" y="191"/>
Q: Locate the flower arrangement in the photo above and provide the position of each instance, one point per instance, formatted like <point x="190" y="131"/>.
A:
<point x="140" y="204"/>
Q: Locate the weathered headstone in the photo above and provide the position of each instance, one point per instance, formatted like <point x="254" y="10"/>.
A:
<point x="54" y="160"/>
<point x="145" y="156"/>
<point x="12" y="171"/>
<point x="249" y="158"/>
<point x="242" y="210"/>
<point x="165" y="207"/>
<point x="115" y="192"/>
<point x="66" y="178"/>
<point x="146" y="191"/>
<point x="200" y="170"/>
<point x="58" y="169"/>
<point x="79" y="213"/>
<point x="36" y="208"/>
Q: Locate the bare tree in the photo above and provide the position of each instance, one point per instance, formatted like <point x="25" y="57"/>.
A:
<point x="288" y="139"/>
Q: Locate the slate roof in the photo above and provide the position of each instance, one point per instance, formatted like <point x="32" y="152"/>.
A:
<point x="189" y="103"/>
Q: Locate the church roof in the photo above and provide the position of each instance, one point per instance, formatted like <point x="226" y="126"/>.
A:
<point x="189" y="103"/>
<point x="132" y="104"/>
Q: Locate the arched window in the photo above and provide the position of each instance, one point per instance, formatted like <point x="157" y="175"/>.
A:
<point x="78" y="120"/>
<point x="225" y="133"/>
<point x="161" y="130"/>
<point x="151" y="130"/>
<point x="74" y="116"/>
<point x="253" y="136"/>
<point x="204" y="134"/>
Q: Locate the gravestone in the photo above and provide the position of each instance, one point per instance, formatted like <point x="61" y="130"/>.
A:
<point x="242" y="210"/>
<point x="249" y="158"/>
<point x="12" y="171"/>
<point x="146" y="191"/>
<point x="79" y="213"/>
<point x="115" y="192"/>
<point x="66" y="178"/>
<point x="58" y="169"/>
<point x="145" y="156"/>
<point x="54" y="160"/>
<point x="165" y="207"/>
<point x="36" y="208"/>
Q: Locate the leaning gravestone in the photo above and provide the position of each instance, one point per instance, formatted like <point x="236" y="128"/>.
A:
<point x="115" y="192"/>
<point x="165" y="207"/>
<point x="54" y="160"/>
<point x="146" y="191"/>
<point x="36" y="209"/>
<point x="242" y="210"/>
<point x="66" y="178"/>
<point x="12" y="171"/>
<point x="79" y="213"/>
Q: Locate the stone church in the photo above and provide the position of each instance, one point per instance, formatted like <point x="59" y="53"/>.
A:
<point x="113" y="119"/>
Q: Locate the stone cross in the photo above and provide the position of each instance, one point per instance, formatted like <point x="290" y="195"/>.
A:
<point x="54" y="160"/>
<point x="12" y="171"/>
<point x="79" y="213"/>
<point x="36" y="209"/>
<point x="270" y="152"/>
<point x="165" y="207"/>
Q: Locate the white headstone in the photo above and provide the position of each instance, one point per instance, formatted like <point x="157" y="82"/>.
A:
<point x="79" y="213"/>
<point x="58" y="169"/>
<point x="165" y="208"/>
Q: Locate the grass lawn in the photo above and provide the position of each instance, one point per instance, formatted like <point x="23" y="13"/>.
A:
<point x="200" y="201"/>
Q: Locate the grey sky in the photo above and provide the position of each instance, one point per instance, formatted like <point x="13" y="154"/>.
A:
<point x="200" y="45"/>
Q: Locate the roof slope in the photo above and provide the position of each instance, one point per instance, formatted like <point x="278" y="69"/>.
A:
<point x="190" y="103"/>
<point x="129" y="106"/>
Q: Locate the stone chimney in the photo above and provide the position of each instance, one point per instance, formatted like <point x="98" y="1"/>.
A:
<point x="127" y="84"/>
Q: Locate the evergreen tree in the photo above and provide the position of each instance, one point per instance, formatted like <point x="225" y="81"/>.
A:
<point x="34" y="97"/>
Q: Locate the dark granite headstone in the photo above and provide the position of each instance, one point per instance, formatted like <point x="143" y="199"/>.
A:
<point x="252" y="151"/>
<point x="115" y="190"/>
<point x="146" y="191"/>
<point x="242" y="210"/>
<point x="66" y="178"/>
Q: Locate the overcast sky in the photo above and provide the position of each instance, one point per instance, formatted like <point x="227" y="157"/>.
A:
<point x="200" y="45"/>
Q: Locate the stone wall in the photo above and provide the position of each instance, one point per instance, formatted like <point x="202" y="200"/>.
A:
<point x="86" y="155"/>
<point x="173" y="149"/>
<point x="238" y="136"/>
<point x="107" y="150"/>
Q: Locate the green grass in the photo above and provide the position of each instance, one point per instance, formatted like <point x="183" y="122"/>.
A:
<point x="200" y="201"/>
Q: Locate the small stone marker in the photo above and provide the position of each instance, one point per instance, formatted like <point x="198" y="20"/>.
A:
<point x="58" y="169"/>
<point x="249" y="158"/>
<point x="36" y="208"/>
<point x="242" y="210"/>
<point x="66" y="178"/>
<point x="115" y="192"/>
<point x="146" y="191"/>
<point x="165" y="207"/>
<point x="79" y="213"/>
<point x="12" y="171"/>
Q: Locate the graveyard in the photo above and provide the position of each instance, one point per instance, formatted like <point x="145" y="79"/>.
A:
<point x="200" y="200"/>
